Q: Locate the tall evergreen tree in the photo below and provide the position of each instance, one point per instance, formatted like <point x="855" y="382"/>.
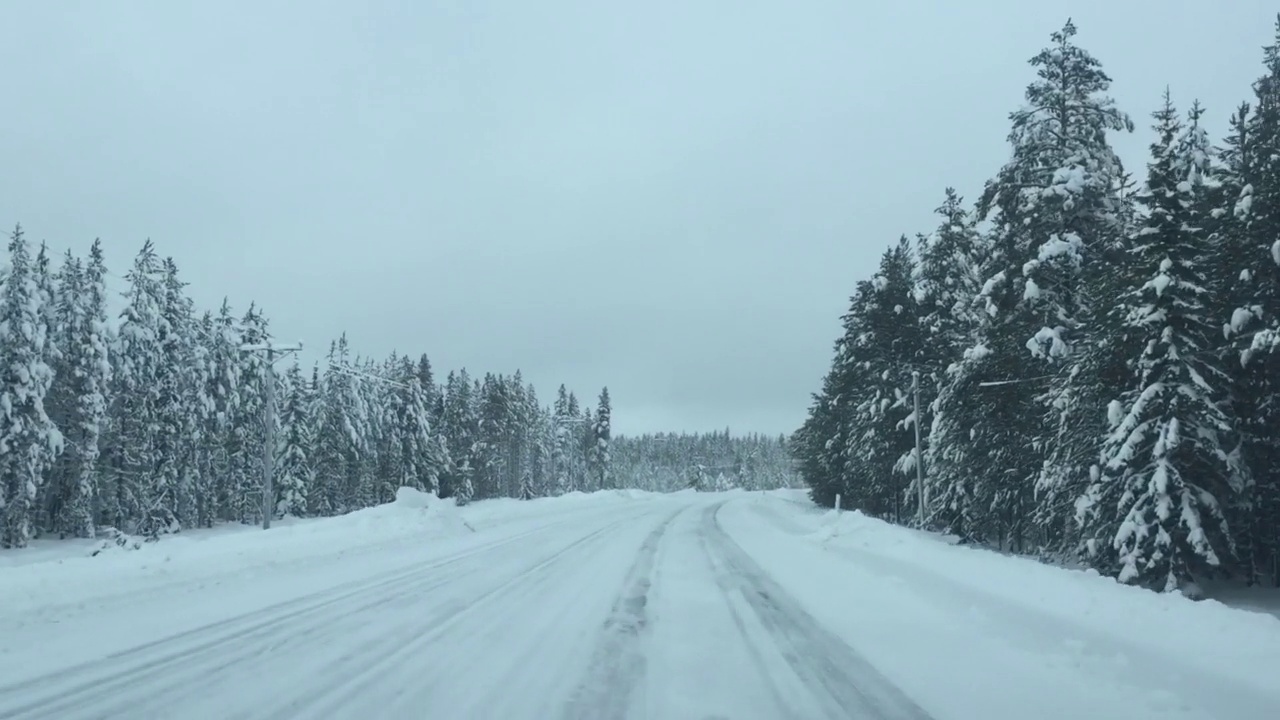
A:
<point x="28" y="437"/>
<point x="1055" y="208"/>
<point x="601" y="432"/>
<point x="49" y="492"/>
<point x="1253" y="237"/>
<point x="1165" y="469"/>
<point x="86" y="374"/>
<point x="881" y="438"/>
<point x="293" y="471"/>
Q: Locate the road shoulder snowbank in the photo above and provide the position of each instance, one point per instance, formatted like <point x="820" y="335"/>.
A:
<point x="54" y="574"/>
<point x="1015" y="622"/>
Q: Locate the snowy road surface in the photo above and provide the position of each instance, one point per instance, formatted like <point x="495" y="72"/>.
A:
<point x="689" y="606"/>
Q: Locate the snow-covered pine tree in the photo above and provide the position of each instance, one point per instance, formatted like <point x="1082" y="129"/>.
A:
<point x="601" y="432"/>
<point x="90" y="360"/>
<point x="491" y="458"/>
<point x="245" y="426"/>
<point x="881" y="448"/>
<point x="461" y="427"/>
<point x="1156" y="514"/>
<point x="86" y="374"/>
<point x="1254" y="325"/>
<point x="586" y="450"/>
<point x="323" y="493"/>
<point x="293" y="471"/>
<point x="172" y="502"/>
<point x="822" y="445"/>
<point x="948" y="282"/>
<point x="28" y="438"/>
<point x="562" y="443"/>
<point x="1054" y="208"/>
<point x="387" y="406"/>
<point x="137" y="394"/>
<point x="431" y="391"/>
<point x="421" y="460"/>
<point x="49" y="493"/>
<point x="536" y="479"/>
<point x="223" y="444"/>
<point x="579" y="420"/>
<point x="60" y="403"/>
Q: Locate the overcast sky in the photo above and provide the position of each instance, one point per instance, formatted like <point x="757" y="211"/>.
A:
<point x="671" y="198"/>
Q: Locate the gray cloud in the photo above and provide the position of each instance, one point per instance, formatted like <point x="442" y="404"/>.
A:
<point x="674" y="199"/>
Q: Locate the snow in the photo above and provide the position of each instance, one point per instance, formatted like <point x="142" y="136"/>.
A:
<point x="981" y="634"/>
<point x="1031" y="291"/>
<point x="1059" y="245"/>
<point x="1240" y="319"/>
<point x="688" y="605"/>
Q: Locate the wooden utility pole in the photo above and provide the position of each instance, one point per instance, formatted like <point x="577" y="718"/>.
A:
<point x="915" y="389"/>
<point x="269" y="418"/>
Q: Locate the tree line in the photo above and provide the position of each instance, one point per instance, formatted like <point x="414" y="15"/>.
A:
<point x="1096" y="356"/>
<point x="152" y="420"/>
<point x="666" y="462"/>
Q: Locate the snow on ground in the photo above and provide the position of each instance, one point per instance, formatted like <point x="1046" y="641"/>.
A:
<point x="609" y="605"/>
<point x="982" y="634"/>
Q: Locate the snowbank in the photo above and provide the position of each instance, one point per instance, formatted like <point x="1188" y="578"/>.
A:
<point x="1083" y="597"/>
<point x="39" y="577"/>
<point x="1203" y="652"/>
<point x="973" y="633"/>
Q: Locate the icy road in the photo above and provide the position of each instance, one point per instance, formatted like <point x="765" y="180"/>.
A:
<point x="689" y="607"/>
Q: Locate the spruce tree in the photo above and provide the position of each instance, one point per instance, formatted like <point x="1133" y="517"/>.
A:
<point x="890" y="348"/>
<point x="50" y="492"/>
<point x="138" y="396"/>
<point x="1055" y="208"/>
<point x="1156" y="514"/>
<point x="601" y="470"/>
<point x="293" y="470"/>
<point x="27" y="436"/>
<point x="86" y="376"/>
<point x="1254" y="325"/>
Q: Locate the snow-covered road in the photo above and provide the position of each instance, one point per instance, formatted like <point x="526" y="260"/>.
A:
<point x="690" y="606"/>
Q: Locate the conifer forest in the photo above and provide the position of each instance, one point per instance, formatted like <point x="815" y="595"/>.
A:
<point x="150" y="420"/>
<point x="1097" y="348"/>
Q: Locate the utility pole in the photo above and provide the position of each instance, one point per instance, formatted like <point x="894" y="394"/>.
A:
<point x="915" y="389"/>
<point x="269" y="419"/>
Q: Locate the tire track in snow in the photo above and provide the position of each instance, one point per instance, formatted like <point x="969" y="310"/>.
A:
<point x="764" y="672"/>
<point x="618" y="663"/>
<point x="843" y="682"/>
<point x="344" y="686"/>
<point x="175" y="664"/>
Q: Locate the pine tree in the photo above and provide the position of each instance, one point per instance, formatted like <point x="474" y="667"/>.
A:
<point x="461" y="427"/>
<point x="139" y="395"/>
<point x="172" y="503"/>
<point x="28" y="438"/>
<point x="245" y="429"/>
<point x="562" y="444"/>
<point x="890" y="347"/>
<point x="224" y="383"/>
<point x="824" y="443"/>
<point x="600" y="460"/>
<point x="293" y="471"/>
<point x="1055" y="210"/>
<point x="1251" y="238"/>
<point x="1164" y="467"/>
<point x="49" y="493"/>
<point x="421" y="459"/>
<point x="61" y="403"/>
<point x="86" y="370"/>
